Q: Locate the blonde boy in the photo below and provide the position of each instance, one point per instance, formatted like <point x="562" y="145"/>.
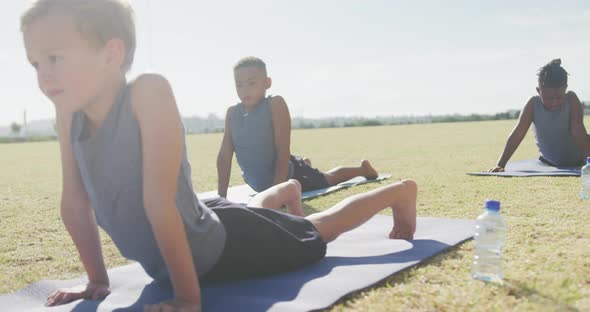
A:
<point x="125" y="168"/>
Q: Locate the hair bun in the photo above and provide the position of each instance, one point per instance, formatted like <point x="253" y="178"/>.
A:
<point x="555" y="62"/>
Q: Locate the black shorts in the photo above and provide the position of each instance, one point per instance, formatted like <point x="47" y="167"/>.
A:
<point x="576" y="164"/>
<point x="262" y="242"/>
<point x="309" y="177"/>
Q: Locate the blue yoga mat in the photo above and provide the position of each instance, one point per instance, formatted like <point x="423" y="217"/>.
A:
<point x="531" y="168"/>
<point x="356" y="260"/>
<point x="243" y="193"/>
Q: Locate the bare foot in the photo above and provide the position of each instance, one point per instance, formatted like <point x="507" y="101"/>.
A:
<point x="404" y="213"/>
<point x="370" y="172"/>
<point x="294" y="204"/>
<point x="307" y="160"/>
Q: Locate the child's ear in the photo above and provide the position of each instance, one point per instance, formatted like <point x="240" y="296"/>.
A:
<point x="268" y="82"/>
<point x="115" y="49"/>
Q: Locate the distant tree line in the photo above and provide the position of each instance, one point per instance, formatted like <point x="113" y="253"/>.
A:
<point x="340" y="122"/>
<point x="209" y="124"/>
<point x="214" y="124"/>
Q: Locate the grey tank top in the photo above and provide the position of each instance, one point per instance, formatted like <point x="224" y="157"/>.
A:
<point x="552" y="135"/>
<point x="254" y="144"/>
<point x="110" y="164"/>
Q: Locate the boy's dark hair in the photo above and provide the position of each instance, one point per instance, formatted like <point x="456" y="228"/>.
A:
<point x="552" y="75"/>
<point x="250" y="61"/>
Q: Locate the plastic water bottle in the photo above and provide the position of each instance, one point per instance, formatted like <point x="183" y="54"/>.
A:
<point x="585" y="191"/>
<point x="490" y="236"/>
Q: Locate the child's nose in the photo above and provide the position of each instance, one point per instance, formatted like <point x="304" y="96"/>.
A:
<point x="45" y="80"/>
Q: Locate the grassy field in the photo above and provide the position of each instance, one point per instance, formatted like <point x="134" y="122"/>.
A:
<point x="546" y="259"/>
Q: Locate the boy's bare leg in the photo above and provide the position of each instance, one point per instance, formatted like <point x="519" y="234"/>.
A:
<point x="341" y="174"/>
<point x="357" y="209"/>
<point x="285" y="194"/>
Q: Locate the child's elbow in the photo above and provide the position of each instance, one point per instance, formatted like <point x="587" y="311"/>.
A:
<point x="221" y="156"/>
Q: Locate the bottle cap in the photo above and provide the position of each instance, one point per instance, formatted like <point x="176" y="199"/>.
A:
<point x="492" y="205"/>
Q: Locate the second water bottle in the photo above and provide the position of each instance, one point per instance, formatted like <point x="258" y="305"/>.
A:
<point x="490" y="237"/>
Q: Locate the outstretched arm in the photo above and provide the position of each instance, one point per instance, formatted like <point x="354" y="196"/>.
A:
<point x="78" y="217"/>
<point x="577" y="128"/>
<point x="162" y="149"/>
<point x="281" y="121"/>
<point x="224" y="158"/>
<point x="517" y="135"/>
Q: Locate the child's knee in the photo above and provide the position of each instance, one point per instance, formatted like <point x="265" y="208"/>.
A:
<point x="295" y="184"/>
<point x="410" y="185"/>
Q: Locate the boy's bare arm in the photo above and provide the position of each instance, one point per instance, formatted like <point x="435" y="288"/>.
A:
<point x="517" y="135"/>
<point x="224" y="158"/>
<point x="281" y="121"/>
<point x="577" y="128"/>
<point x="80" y="222"/>
<point x="162" y="143"/>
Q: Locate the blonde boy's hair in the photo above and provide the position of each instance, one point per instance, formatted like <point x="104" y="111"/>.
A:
<point x="98" y="20"/>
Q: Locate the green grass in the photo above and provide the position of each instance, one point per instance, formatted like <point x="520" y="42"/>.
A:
<point x="546" y="259"/>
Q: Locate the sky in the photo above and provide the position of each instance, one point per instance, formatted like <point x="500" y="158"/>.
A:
<point x="337" y="57"/>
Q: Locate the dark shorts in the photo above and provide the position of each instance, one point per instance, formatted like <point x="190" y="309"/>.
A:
<point x="575" y="164"/>
<point x="309" y="177"/>
<point x="262" y="242"/>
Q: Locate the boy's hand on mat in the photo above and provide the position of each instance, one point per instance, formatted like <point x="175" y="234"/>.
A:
<point x="497" y="169"/>
<point x="176" y="305"/>
<point x="92" y="291"/>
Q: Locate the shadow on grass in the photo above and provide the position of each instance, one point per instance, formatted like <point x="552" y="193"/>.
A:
<point x="513" y="287"/>
<point x="309" y="209"/>
<point x="399" y="276"/>
<point x="521" y="290"/>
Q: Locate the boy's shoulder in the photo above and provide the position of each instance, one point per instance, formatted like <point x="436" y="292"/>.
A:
<point x="277" y="102"/>
<point x="529" y="107"/>
<point x="231" y="109"/>
<point x="533" y="100"/>
<point x="149" y="89"/>
<point x="279" y="110"/>
<point x="148" y="82"/>
<point x="274" y="99"/>
<point x="571" y="95"/>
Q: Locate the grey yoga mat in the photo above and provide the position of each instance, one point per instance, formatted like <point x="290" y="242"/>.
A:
<point x="531" y="168"/>
<point x="356" y="260"/>
<point x="243" y="193"/>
